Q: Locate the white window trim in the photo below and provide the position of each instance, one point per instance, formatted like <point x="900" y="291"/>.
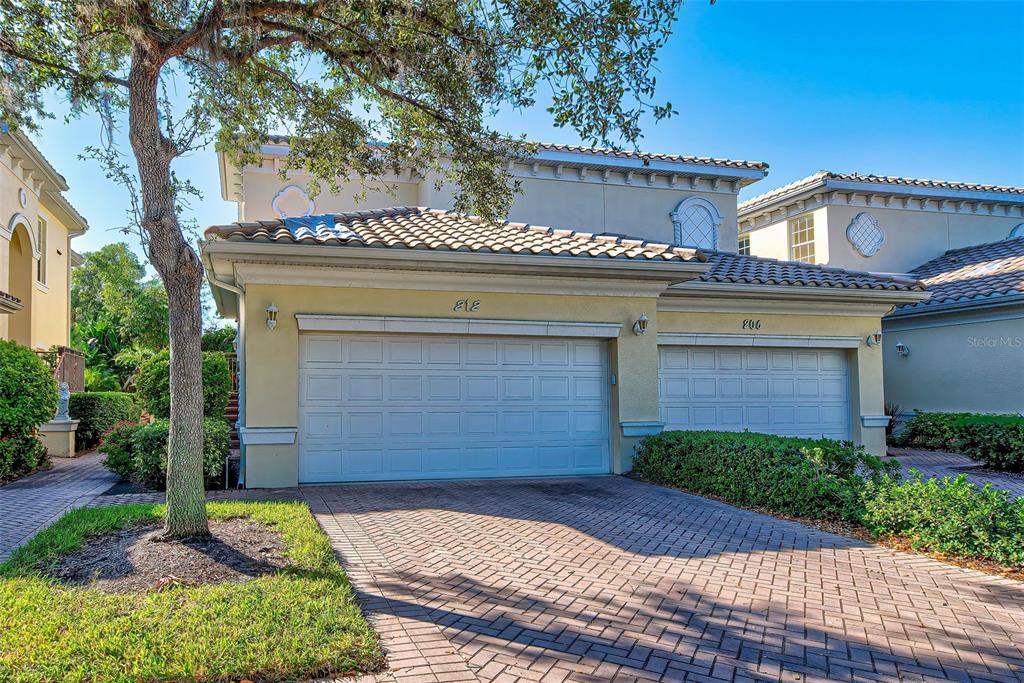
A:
<point x="461" y="326"/>
<point x="677" y="218"/>
<point x="782" y="341"/>
<point x="812" y="241"/>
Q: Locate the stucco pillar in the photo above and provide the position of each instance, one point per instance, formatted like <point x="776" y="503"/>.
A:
<point x="867" y="400"/>
<point x="635" y="392"/>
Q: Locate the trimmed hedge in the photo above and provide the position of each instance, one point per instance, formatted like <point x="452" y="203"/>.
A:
<point x="995" y="440"/>
<point x="949" y="516"/>
<point x="154" y="384"/>
<point x="98" y="412"/>
<point x="139" y="452"/>
<point x="28" y="392"/>
<point x="806" y="477"/>
<point x="20" y="455"/>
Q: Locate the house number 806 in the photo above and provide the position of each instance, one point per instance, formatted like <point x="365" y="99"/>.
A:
<point x="467" y="305"/>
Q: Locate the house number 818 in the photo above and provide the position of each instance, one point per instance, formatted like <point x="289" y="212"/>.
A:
<point x="467" y="305"/>
<point x="751" y="324"/>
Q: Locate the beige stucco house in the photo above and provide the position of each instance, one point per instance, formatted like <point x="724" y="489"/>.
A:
<point x="963" y="349"/>
<point x="37" y="224"/>
<point x="386" y="340"/>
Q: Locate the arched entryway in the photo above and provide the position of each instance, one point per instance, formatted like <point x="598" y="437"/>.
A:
<point x="20" y="283"/>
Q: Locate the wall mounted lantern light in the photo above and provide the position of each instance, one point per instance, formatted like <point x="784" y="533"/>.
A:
<point x="271" y="316"/>
<point x="902" y="349"/>
<point x="640" y="326"/>
<point x="874" y="339"/>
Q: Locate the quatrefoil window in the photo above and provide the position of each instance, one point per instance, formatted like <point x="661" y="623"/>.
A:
<point x="865" y="234"/>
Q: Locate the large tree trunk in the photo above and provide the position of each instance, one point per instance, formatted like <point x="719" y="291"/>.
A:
<point x="182" y="273"/>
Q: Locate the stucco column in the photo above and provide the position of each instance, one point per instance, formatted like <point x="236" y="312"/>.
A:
<point x="867" y="404"/>
<point x="634" y="361"/>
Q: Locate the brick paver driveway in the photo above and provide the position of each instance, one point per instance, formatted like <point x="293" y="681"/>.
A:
<point x="604" y="578"/>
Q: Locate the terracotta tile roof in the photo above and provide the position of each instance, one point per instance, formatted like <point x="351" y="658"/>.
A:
<point x="972" y="274"/>
<point x="707" y="161"/>
<point x="622" y="154"/>
<point x="821" y="177"/>
<point x="439" y="230"/>
<point x="9" y="297"/>
<point x="755" y="270"/>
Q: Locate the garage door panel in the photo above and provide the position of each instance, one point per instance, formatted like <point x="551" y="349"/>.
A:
<point x="379" y="408"/>
<point x="802" y="392"/>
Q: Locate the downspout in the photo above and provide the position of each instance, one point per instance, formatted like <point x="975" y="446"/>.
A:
<point x="240" y="359"/>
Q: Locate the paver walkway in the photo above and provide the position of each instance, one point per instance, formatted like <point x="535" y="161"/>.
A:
<point x="32" y="503"/>
<point x="938" y="464"/>
<point x="604" y="578"/>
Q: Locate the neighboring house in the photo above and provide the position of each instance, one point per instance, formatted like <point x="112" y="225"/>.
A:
<point x="37" y="224"/>
<point x="396" y="342"/>
<point x="963" y="349"/>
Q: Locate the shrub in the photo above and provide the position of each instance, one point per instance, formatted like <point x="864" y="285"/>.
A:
<point x="951" y="516"/>
<point x="98" y="411"/>
<point x="996" y="440"/>
<point x="806" y="477"/>
<point x="221" y="339"/>
<point x="19" y="455"/>
<point x="154" y="384"/>
<point x="28" y="392"/>
<point x="139" y="452"/>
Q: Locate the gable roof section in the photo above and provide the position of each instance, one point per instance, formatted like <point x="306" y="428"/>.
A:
<point x="982" y="273"/>
<point x="897" y="184"/>
<point x="439" y="230"/>
<point x="727" y="267"/>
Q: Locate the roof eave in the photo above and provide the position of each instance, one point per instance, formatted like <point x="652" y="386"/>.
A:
<point x="997" y="301"/>
<point x="795" y="293"/>
<point x="670" y="271"/>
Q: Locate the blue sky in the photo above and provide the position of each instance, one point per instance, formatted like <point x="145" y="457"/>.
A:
<point x="921" y="89"/>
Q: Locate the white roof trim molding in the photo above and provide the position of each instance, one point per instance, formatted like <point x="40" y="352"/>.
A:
<point x="460" y="326"/>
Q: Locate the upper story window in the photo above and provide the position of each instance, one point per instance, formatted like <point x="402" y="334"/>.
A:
<point x="744" y="246"/>
<point x="41" y="243"/>
<point x="695" y="223"/>
<point x="801" y="239"/>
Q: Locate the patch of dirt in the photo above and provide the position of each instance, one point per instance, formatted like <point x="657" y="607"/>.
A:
<point x="131" y="561"/>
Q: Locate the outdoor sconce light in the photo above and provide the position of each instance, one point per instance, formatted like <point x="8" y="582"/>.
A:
<point x="902" y="349"/>
<point x="640" y="326"/>
<point x="874" y="339"/>
<point x="271" y="316"/>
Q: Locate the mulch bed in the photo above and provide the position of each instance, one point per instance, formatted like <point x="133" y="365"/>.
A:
<point x="981" y="469"/>
<point x="131" y="561"/>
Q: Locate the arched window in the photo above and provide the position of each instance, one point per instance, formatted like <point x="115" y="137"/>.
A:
<point x="695" y="222"/>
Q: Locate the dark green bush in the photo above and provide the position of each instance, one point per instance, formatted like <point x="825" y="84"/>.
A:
<point x="995" y="440"/>
<point x="950" y="516"/>
<point x="98" y="411"/>
<point x="28" y="392"/>
<point x="154" y="384"/>
<point x="20" y="455"/>
<point x="139" y="452"/>
<point x="120" y="452"/>
<point x="807" y="477"/>
<point x="221" y="339"/>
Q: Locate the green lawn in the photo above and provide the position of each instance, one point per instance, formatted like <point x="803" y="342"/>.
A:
<point x="299" y="623"/>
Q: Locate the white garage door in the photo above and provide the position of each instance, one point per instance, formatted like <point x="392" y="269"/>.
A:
<point x="794" y="392"/>
<point x="436" y="407"/>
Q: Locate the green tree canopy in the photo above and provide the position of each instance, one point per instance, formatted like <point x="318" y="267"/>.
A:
<point x="423" y="76"/>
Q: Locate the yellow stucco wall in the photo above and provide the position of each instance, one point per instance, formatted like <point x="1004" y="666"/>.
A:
<point x="44" y="320"/>
<point x="272" y="385"/>
<point x="957" y="363"/>
<point x="588" y="205"/>
<point x="772" y="241"/>
<point x="912" y="237"/>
